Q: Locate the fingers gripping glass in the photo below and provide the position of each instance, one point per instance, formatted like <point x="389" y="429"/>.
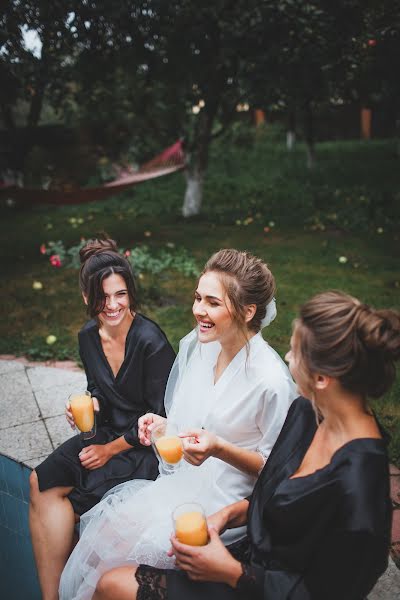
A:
<point x="83" y="412"/>
<point x="167" y="445"/>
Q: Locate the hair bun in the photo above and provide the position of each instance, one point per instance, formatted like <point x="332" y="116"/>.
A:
<point x="96" y="246"/>
<point x="380" y="330"/>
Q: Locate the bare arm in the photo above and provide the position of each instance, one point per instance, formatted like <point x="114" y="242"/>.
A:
<point x="97" y="455"/>
<point x="245" y="460"/>
<point x="233" y="515"/>
<point x="198" y="445"/>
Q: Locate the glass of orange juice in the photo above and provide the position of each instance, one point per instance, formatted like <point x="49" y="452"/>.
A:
<point x="167" y="444"/>
<point x="190" y="524"/>
<point x="81" y="404"/>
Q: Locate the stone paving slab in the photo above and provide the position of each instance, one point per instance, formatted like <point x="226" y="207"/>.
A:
<point x="32" y="404"/>
<point x="26" y="441"/>
<point x="388" y="586"/>
<point x="10" y="365"/>
<point x="58" y="429"/>
<point x="51" y="400"/>
<point x="44" y="377"/>
<point x="17" y="404"/>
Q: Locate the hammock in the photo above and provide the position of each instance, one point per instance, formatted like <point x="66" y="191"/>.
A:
<point x="169" y="161"/>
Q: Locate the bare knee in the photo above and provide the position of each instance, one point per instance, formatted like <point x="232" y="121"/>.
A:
<point x="47" y="497"/>
<point x="118" y="583"/>
<point x="107" y="586"/>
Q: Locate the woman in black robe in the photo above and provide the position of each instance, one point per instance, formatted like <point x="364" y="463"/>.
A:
<point x="127" y="359"/>
<point x="319" y="518"/>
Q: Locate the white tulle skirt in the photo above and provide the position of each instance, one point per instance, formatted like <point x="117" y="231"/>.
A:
<point x="132" y="525"/>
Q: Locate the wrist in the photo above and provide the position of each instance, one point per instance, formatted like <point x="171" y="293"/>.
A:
<point x="219" y="447"/>
<point x="110" y="449"/>
<point x="234" y="573"/>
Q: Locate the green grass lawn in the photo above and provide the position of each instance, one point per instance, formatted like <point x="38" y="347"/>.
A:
<point x="346" y="208"/>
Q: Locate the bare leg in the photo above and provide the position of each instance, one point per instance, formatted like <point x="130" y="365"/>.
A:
<point x="117" y="584"/>
<point x="51" y="521"/>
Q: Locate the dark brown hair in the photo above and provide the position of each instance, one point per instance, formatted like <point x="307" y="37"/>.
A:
<point x="100" y="259"/>
<point x="340" y="337"/>
<point x="247" y="280"/>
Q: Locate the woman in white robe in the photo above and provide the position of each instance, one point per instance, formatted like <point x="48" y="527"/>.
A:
<point x="230" y="391"/>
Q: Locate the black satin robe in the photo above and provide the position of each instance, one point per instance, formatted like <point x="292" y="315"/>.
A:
<point x="137" y="388"/>
<point x="325" y="536"/>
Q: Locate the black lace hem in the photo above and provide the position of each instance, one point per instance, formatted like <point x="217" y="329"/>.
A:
<point x="152" y="583"/>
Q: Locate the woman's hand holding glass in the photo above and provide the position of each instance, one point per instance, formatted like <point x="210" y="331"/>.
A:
<point x="212" y="562"/>
<point x="198" y="445"/>
<point x="146" y="424"/>
<point x="70" y="417"/>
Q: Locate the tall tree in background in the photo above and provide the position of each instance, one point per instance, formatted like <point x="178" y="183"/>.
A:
<point x="311" y="49"/>
<point x="30" y="75"/>
<point x="147" y="70"/>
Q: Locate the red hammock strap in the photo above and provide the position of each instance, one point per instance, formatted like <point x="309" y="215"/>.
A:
<point x="169" y="161"/>
<point x="172" y="156"/>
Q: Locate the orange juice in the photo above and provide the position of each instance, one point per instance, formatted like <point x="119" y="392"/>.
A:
<point x="83" y="412"/>
<point x="191" y="529"/>
<point x="170" y="448"/>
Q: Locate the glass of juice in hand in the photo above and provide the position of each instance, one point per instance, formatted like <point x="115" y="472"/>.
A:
<point x="167" y="444"/>
<point x="83" y="412"/>
<point x="190" y="524"/>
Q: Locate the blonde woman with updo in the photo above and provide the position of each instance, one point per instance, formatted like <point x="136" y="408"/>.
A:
<point x="228" y="393"/>
<point x="319" y="518"/>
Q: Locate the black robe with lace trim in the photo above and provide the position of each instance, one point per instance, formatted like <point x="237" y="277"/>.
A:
<point x="325" y="536"/>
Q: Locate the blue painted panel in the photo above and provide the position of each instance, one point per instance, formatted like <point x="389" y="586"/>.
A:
<point x="17" y="568"/>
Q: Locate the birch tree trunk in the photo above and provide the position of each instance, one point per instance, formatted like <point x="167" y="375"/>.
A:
<point x="197" y="169"/>
<point x="290" y="140"/>
<point x="193" y="194"/>
<point x="291" y="132"/>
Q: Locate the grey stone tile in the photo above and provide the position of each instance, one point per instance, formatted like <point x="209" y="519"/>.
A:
<point x="48" y="377"/>
<point x="59" y="430"/>
<point x="388" y="586"/>
<point x="10" y="365"/>
<point x="25" y="441"/>
<point x="17" y="403"/>
<point x="52" y="399"/>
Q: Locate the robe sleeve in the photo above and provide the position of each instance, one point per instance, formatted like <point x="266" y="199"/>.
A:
<point x="91" y="385"/>
<point x="271" y="417"/>
<point x="157" y="365"/>
<point x="347" y="566"/>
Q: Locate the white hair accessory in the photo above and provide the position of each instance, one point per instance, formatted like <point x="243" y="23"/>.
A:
<point x="270" y="313"/>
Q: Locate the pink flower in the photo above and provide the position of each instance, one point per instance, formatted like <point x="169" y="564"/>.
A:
<point x="266" y="229"/>
<point x="127" y="253"/>
<point x="42" y="249"/>
<point x="55" y="260"/>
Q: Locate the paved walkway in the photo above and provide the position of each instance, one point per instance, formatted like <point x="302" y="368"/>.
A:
<point x="32" y="401"/>
<point x="32" y="424"/>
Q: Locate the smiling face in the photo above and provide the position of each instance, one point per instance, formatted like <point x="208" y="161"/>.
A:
<point x="116" y="308"/>
<point x="213" y="310"/>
